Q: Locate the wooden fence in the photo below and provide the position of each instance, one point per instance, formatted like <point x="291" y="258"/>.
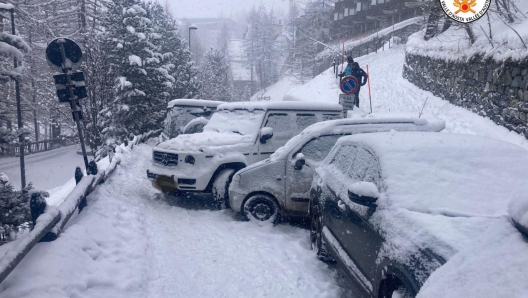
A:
<point x="52" y="222"/>
<point x="12" y="150"/>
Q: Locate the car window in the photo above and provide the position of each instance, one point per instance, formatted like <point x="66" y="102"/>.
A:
<point x="304" y="120"/>
<point x="282" y="125"/>
<point x="330" y="117"/>
<point x="364" y="167"/>
<point x="341" y="159"/>
<point x="317" y="149"/>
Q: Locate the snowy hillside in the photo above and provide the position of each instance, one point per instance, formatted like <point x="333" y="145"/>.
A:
<point x="494" y="37"/>
<point x="392" y="93"/>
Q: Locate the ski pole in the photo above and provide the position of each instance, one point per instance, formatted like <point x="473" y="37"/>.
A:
<point x="370" y="95"/>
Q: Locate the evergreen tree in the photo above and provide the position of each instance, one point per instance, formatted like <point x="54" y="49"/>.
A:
<point x="260" y="46"/>
<point x="14" y="205"/>
<point x="312" y="26"/>
<point x="214" y="77"/>
<point x="134" y="61"/>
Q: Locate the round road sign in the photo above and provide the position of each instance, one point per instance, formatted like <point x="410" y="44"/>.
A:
<point x="72" y="53"/>
<point x="349" y="85"/>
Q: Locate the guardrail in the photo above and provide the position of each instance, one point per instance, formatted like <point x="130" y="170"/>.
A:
<point x="52" y="222"/>
<point x="12" y="150"/>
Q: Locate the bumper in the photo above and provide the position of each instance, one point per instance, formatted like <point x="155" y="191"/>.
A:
<point x="236" y="198"/>
<point x="180" y="184"/>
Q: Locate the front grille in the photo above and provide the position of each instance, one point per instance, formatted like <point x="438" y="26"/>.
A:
<point x="166" y="159"/>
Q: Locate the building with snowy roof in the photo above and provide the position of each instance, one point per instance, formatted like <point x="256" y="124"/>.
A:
<point x="354" y="17"/>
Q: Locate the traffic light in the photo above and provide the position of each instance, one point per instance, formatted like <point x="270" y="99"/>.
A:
<point x="77" y="79"/>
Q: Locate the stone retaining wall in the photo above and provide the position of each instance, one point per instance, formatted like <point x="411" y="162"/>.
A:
<point x="495" y="90"/>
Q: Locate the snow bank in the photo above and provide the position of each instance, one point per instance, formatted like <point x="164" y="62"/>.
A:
<point x="454" y="45"/>
<point x="518" y="210"/>
<point x="492" y="265"/>
<point x="54" y="219"/>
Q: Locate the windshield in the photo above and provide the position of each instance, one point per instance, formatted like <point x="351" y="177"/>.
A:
<point x="242" y="122"/>
<point x="179" y="116"/>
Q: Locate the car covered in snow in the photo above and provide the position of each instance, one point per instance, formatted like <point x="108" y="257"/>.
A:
<point x="182" y="111"/>
<point x="280" y="186"/>
<point x="392" y="208"/>
<point x="237" y="135"/>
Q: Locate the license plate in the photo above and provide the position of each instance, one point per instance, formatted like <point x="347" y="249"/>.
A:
<point x="165" y="184"/>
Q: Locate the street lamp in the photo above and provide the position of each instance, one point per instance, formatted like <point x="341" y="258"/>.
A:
<point x="192" y="27"/>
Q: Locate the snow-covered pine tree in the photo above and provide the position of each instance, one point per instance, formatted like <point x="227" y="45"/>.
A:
<point x="214" y="77"/>
<point x="176" y="59"/>
<point x="11" y="46"/>
<point x="14" y="205"/>
<point x="260" y="46"/>
<point x="313" y="25"/>
<point x="131" y="57"/>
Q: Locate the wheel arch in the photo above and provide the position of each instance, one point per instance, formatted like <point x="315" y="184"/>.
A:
<point x="226" y="166"/>
<point x="391" y="274"/>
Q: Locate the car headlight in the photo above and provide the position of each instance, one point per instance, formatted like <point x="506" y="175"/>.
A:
<point x="189" y="159"/>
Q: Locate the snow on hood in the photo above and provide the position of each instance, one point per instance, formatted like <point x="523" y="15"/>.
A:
<point x="209" y="142"/>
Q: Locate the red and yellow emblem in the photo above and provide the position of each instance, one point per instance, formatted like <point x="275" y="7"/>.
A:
<point x="465" y="6"/>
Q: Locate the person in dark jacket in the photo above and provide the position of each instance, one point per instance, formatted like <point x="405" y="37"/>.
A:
<point x="348" y="69"/>
<point x="361" y="77"/>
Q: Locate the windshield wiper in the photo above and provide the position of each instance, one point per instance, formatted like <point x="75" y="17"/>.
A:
<point x="238" y="132"/>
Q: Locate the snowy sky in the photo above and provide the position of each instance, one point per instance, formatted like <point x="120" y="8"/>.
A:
<point x="217" y="8"/>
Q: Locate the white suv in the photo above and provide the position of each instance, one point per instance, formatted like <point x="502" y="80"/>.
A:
<point x="238" y="134"/>
<point x="280" y="186"/>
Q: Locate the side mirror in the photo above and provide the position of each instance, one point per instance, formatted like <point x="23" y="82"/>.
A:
<point x="266" y="133"/>
<point x="363" y="193"/>
<point x="300" y="161"/>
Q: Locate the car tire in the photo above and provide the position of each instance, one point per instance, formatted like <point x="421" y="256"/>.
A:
<point x="402" y="292"/>
<point x="316" y="236"/>
<point x="261" y="208"/>
<point x="220" y="188"/>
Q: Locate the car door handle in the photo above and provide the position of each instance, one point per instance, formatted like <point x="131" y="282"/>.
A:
<point x="342" y="205"/>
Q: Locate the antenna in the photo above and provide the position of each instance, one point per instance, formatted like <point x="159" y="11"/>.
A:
<point x="423" y="107"/>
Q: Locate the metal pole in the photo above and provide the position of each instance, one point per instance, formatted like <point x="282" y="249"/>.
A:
<point x="19" y="112"/>
<point x="73" y="104"/>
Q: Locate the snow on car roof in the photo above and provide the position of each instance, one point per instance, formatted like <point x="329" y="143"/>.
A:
<point x="347" y="125"/>
<point x="194" y="103"/>
<point x="281" y="105"/>
<point x="448" y="174"/>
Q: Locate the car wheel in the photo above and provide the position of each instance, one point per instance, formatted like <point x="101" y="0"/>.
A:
<point x="316" y="236"/>
<point x="221" y="188"/>
<point x="261" y="208"/>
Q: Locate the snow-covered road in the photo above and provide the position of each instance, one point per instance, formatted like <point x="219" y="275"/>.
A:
<point x="46" y="170"/>
<point x="129" y="242"/>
